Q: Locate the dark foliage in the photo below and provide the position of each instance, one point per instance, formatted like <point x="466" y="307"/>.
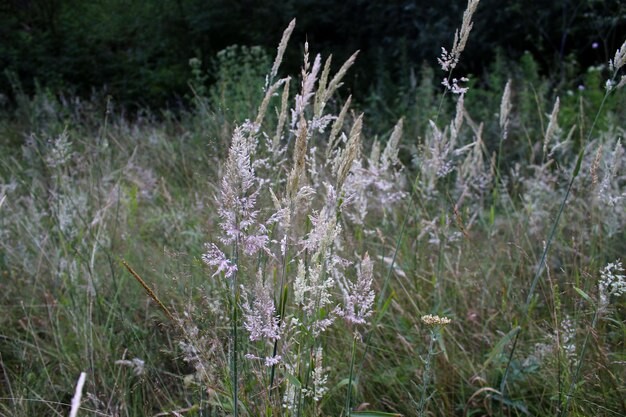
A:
<point x="138" y="51"/>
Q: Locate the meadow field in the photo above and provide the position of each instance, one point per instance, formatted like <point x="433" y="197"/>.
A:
<point x="279" y="248"/>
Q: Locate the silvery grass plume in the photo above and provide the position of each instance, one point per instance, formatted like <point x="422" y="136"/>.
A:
<point x="602" y="193"/>
<point x="327" y="89"/>
<point x="619" y="60"/>
<point x="449" y="60"/>
<point x="552" y="126"/>
<point x="240" y="190"/>
<point x="320" y="377"/>
<point x="439" y="154"/>
<point x="609" y="191"/>
<point x="475" y="175"/>
<point x="285" y="310"/>
<point x="277" y="150"/>
<point x="358" y="296"/>
<point x="261" y="319"/>
<point x="334" y="139"/>
<point x="615" y="64"/>
<point x="282" y="46"/>
<point x="377" y="182"/>
<point x="505" y="110"/>
<point x="309" y="77"/>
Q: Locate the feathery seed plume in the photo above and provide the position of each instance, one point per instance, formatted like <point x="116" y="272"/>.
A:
<point x="552" y="125"/>
<point x="350" y="153"/>
<point x="449" y="60"/>
<point x="299" y="160"/>
<point x="335" y="82"/>
<point x="390" y="154"/>
<point x="281" y="48"/>
<point x="359" y="296"/>
<point x="505" y="110"/>
<point x="336" y="128"/>
<point x="266" y="101"/>
<point x="318" y="106"/>
<point x="619" y="59"/>
<point x="282" y="117"/>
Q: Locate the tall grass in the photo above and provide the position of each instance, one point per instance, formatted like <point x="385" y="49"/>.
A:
<point x="299" y="262"/>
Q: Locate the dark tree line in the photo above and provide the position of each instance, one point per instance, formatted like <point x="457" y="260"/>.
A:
<point x="138" y="50"/>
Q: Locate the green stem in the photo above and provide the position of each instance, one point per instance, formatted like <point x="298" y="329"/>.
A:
<point x="349" y="396"/>
<point x="427" y="372"/>
<point x="234" y="314"/>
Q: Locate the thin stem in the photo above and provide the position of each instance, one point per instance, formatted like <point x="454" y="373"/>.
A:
<point x="427" y="372"/>
<point x="349" y="396"/>
<point x="234" y="335"/>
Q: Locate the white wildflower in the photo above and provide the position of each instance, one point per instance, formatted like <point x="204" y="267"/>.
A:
<point x="612" y="282"/>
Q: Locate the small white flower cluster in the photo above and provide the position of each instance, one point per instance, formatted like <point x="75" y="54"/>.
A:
<point x="433" y="320"/>
<point x="612" y="282"/>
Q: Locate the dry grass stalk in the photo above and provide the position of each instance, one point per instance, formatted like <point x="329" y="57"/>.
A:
<point x="350" y="153"/>
<point x="151" y="293"/>
<point x="335" y="83"/>
<point x="266" y="101"/>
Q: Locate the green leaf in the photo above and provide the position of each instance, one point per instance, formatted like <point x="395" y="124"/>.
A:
<point x="374" y="414"/>
<point x="584" y="295"/>
<point x="294" y="380"/>
<point x="579" y="162"/>
<point x="497" y="348"/>
<point x="385" y="306"/>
